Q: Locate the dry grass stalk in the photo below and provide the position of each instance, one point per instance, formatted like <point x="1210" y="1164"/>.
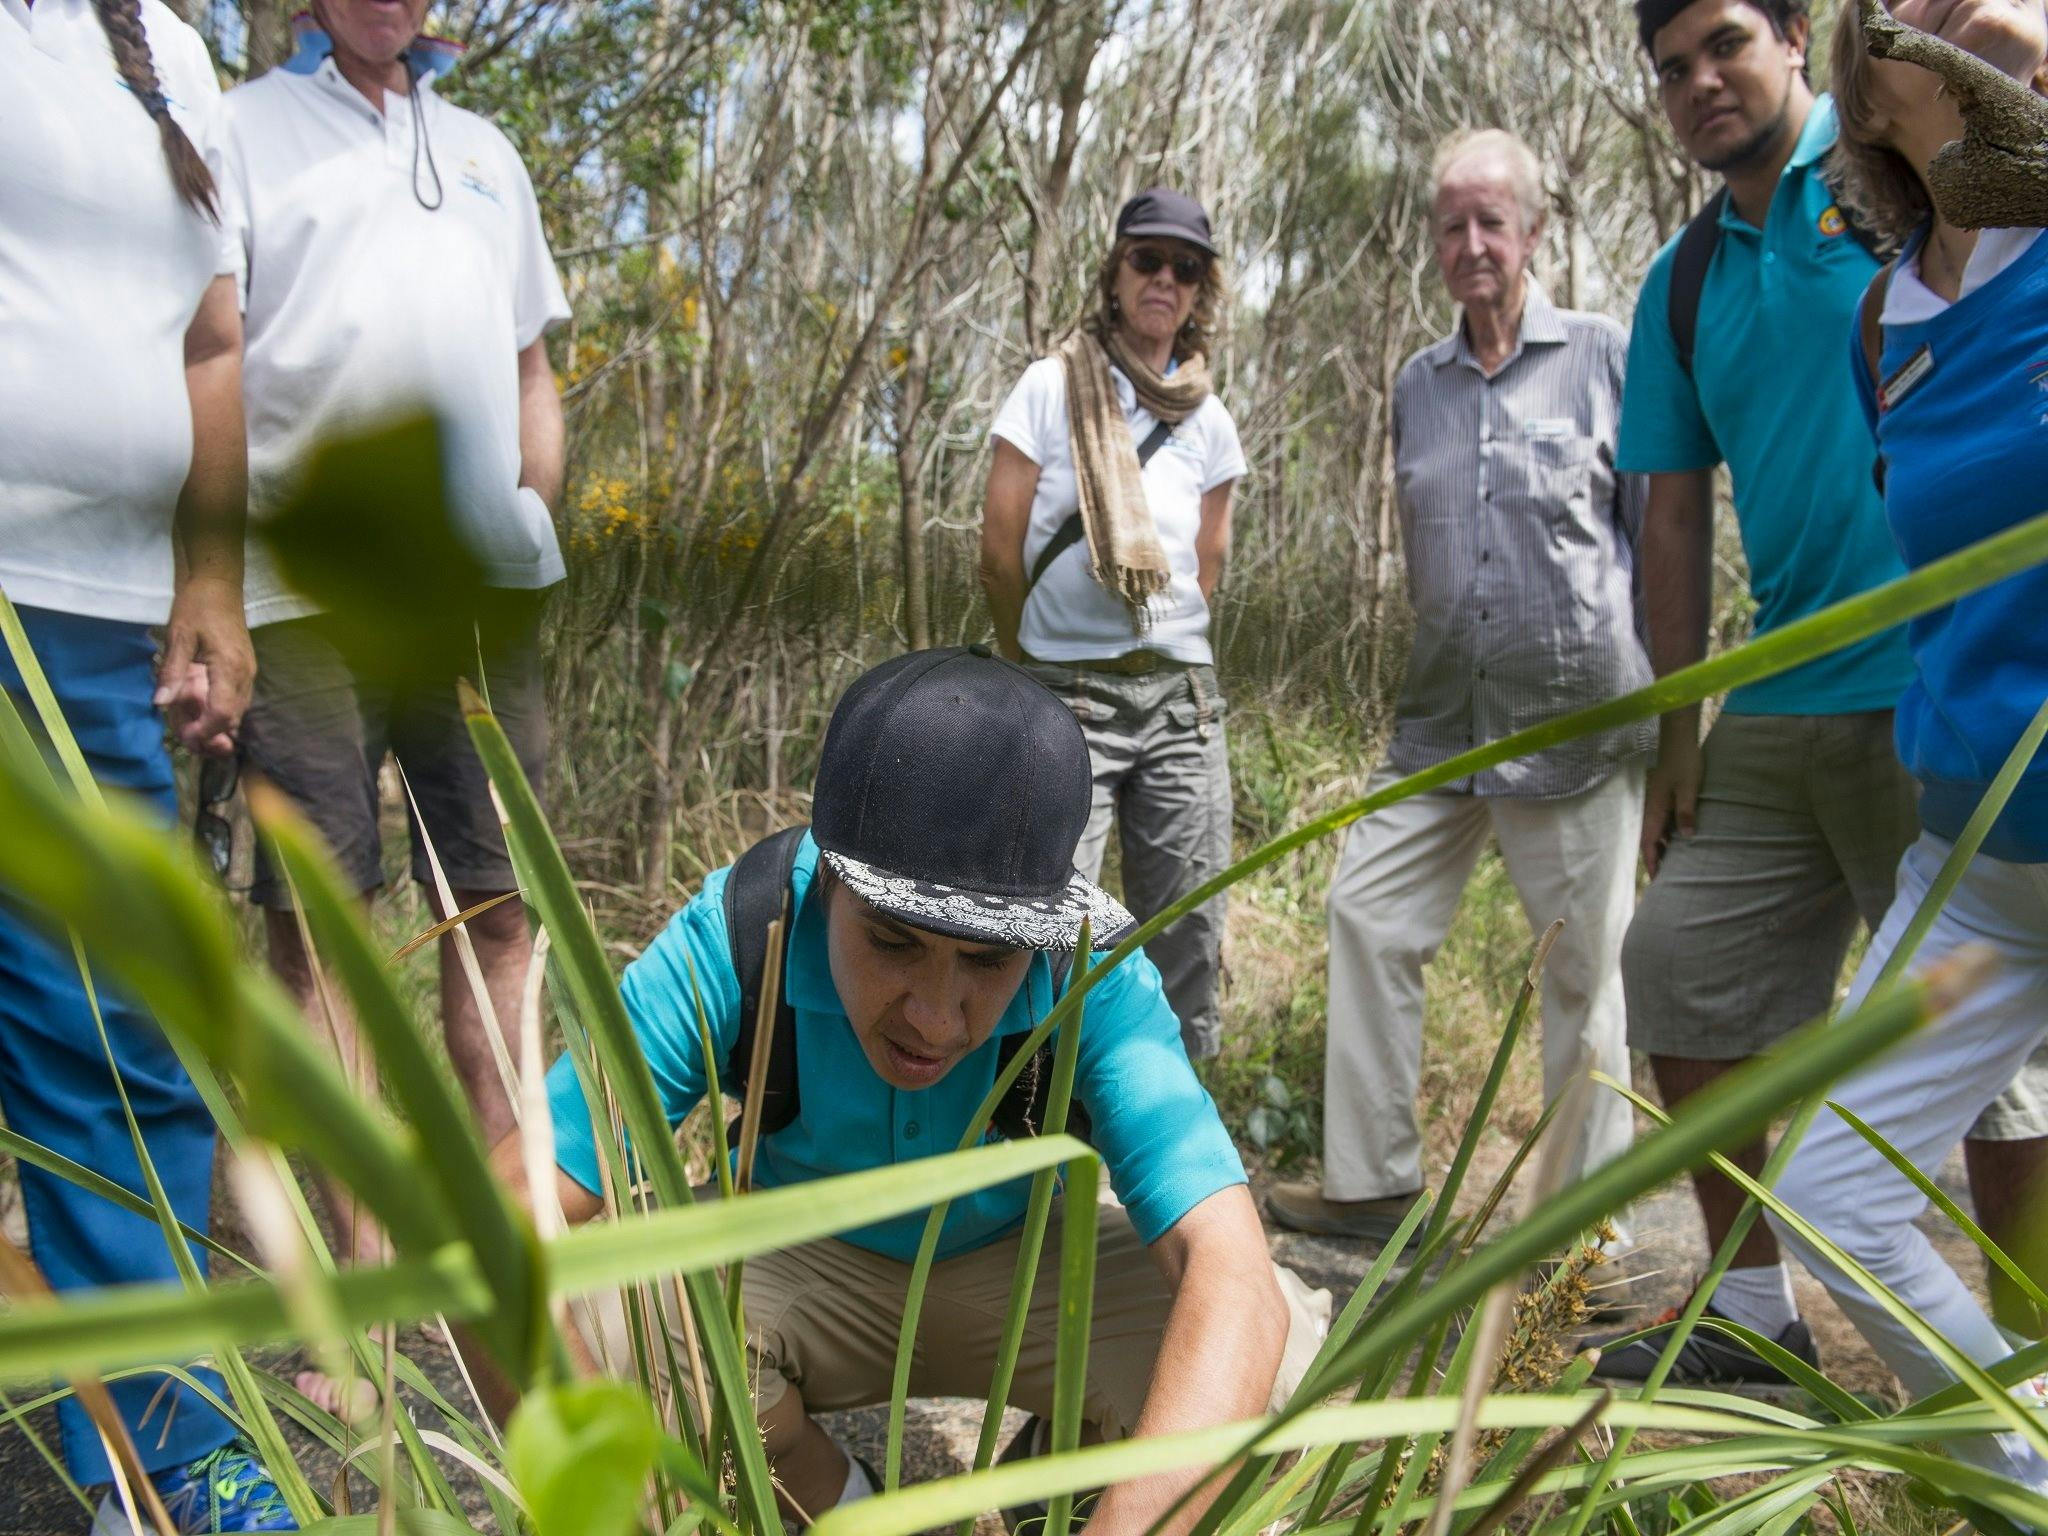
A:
<point x="764" y="1042"/>
<point x="1517" y="1492"/>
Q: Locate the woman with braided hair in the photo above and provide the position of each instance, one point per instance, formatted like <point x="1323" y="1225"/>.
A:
<point x="122" y="472"/>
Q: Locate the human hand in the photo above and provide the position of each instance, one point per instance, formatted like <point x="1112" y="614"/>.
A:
<point x="2009" y="35"/>
<point x="1672" y="793"/>
<point x="208" y="666"/>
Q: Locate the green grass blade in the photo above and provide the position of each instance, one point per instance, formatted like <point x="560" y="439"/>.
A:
<point x="1077" y="1310"/>
<point x="36" y="1155"/>
<point x="579" y="960"/>
<point x="1893" y="1446"/>
<point x="518" y="1331"/>
<point x="37" y="685"/>
<point x="1031" y="1240"/>
<point x="1976" y="1234"/>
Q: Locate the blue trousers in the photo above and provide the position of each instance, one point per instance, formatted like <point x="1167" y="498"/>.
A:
<point x="55" y="1084"/>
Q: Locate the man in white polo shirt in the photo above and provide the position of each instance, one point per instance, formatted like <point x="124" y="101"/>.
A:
<point x="390" y="257"/>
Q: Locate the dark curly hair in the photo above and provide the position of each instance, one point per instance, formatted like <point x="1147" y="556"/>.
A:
<point x="1652" y="16"/>
<point x="1198" y="336"/>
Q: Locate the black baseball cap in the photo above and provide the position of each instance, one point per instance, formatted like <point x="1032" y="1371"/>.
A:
<point x="1163" y="211"/>
<point x="951" y="794"/>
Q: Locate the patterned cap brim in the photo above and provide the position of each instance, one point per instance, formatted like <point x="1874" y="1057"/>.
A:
<point x="1052" y="923"/>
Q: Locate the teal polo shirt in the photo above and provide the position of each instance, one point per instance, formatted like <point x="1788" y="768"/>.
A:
<point x="1771" y="396"/>
<point x="1155" y="1126"/>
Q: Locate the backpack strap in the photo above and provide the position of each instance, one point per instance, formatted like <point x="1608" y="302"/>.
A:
<point x="1689" y="265"/>
<point x="1870" y="326"/>
<point x="1021" y="1111"/>
<point x="756" y="894"/>
<point x="1068" y="534"/>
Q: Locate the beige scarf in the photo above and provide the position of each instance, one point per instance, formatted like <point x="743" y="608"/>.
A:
<point x="1124" y="553"/>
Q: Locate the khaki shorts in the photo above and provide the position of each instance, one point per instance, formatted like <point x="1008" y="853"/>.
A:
<point x="1740" y="939"/>
<point x="319" y="732"/>
<point x="823" y="1318"/>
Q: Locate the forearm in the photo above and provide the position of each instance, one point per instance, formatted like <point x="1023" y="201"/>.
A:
<point x="1678" y="547"/>
<point x="543" y="434"/>
<point x="212" y="506"/>
<point x="1212" y="541"/>
<point x="1002" y="582"/>
<point x="1225" y="1337"/>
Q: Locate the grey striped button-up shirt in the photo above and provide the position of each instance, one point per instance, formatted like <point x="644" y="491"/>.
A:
<point x="1520" y="540"/>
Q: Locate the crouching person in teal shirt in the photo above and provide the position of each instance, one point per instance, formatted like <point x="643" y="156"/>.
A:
<point x="930" y="899"/>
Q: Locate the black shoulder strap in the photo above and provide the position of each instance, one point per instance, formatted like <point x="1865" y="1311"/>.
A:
<point x="1021" y="1111"/>
<point x="756" y="894"/>
<point x="1689" y="265"/>
<point x="1870" y="331"/>
<point x="1068" y="534"/>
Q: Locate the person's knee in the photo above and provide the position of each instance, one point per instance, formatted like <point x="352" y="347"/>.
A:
<point x="502" y="926"/>
<point x="782" y="1421"/>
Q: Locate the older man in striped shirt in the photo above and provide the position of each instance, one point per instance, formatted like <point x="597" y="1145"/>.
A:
<point x="1520" y="540"/>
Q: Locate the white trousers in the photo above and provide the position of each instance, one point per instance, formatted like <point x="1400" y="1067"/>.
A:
<point x="1922" y="1097"/>
<point x="1397" y="888"/>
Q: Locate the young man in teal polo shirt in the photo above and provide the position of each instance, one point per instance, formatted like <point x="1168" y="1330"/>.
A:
<point x="1767" y="843"/>
<point x="921" y="940"/>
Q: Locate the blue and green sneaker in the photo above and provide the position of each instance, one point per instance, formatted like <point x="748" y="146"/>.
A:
<point x="225" y="1490"/>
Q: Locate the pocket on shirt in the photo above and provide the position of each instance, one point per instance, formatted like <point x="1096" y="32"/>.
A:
<point x="1561" y="470"/>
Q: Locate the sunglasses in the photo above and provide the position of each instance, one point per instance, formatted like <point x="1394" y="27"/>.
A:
<point x="211" y="830"/>
<point x="1188" y="269"/>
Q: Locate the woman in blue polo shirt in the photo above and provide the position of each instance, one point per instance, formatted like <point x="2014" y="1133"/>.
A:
<point x="1958" y="401"/>
<point x="919" y="945"/>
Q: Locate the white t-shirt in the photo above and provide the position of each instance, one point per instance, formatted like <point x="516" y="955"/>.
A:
<point x="102" y="267"/>
<point x="1068" y="617"/>
<point x="361" y="304"/>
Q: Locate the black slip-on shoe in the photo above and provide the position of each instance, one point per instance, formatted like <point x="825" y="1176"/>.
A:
<point x="1709" y="1358"/>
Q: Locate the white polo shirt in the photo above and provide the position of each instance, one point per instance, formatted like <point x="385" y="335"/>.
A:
<point x="361" y="304"/>
<point x="102" y="267"/>
<point x="1068" y="616"/>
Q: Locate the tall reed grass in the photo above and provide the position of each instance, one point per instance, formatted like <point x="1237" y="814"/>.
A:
<point x="1401" y="1421"/>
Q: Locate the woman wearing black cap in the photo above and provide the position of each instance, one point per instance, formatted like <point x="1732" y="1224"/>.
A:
<point x="921" y="950"/>
<point x="1106" y="527"/>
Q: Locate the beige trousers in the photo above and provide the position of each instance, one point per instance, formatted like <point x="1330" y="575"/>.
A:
<point x="823" y="1318"/>
<point x="1397" y="888"/>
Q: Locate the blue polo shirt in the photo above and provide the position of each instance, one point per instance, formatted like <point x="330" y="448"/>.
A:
<point x="1769" y="396"/>
<point x="1153" y="1123"/>
<point x="1965" y="439"/>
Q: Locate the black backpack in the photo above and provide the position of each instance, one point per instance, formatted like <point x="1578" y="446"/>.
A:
<point x="1695" y="254"/>
<point x="756" y="894"/>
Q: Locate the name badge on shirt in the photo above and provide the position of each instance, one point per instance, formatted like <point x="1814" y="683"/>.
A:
<point x="1548" y="427"/>
<point x="1903" y="381"/>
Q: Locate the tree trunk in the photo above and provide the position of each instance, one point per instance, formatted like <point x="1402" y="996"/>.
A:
<point x="910" y="401"/>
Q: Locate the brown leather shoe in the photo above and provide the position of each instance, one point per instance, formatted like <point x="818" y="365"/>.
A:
<point x="1302" y="1208"/>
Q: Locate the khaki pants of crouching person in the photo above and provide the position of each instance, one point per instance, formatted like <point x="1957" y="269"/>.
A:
<point x="823" y="1318"/>
<point x="1162" y="770"/>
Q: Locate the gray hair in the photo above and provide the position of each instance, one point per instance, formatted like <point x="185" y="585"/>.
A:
<point x="1525" y="171"/>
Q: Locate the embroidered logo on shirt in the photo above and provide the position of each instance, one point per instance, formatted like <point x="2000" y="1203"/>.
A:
<point x="2037" y="375"/>
<point x="478" y="181"/>
<point x="1832" y="223"/>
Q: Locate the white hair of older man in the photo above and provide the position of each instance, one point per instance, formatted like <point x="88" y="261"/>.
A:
<point x="1525" y="171"/>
